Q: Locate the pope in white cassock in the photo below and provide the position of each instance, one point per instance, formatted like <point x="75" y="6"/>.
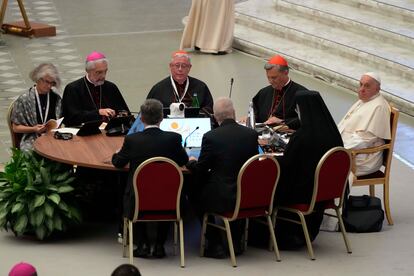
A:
<point x="367" y="124"/>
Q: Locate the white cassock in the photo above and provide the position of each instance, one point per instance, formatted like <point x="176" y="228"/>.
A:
<point x="210" y="26"/>
<point x="367" y="124"/>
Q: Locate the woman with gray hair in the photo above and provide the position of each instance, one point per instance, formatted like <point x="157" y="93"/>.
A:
<point x="34" y="108"/>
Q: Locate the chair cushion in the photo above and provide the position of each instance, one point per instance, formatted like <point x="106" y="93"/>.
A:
<point x="246" y="213"/>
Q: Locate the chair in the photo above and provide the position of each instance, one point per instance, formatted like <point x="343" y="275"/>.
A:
<point x="15" y="137"/>
<point x="330" y="180"/>
<point x="256" y="185"/>
<point x="381" y="177"/>
<point x="157" y="186"/>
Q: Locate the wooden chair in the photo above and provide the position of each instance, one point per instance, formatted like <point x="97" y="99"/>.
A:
<point x="15" y="137"/>
<point x="331" y="176"/>
<point x="157" y="186"/>
<point x="380" y="177"/>
<point x="256" y="186"/>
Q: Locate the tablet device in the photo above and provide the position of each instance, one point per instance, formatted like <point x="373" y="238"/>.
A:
<point x="89" y="128"/>
<point x="118" y="121"/>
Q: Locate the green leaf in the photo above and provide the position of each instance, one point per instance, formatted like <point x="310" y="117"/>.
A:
<point x="57" y="222"/>
<point x="45" y="176"/>
<point x="3" y="213"/>
<point x="31" y="189"/>
<point x="63" y="206"/>
<point x="75" y="214"/>
<point x="55" y="198"/>
<point x="52" y="188"/>
<point x="49" y="210"/>
<point x="38" y="217"/>
<point x="17" y="207"/>
<point x="39" y="200"/>
<point x="40" y="232"/>
<point x="20" y="225"/>
<point x="49" y="224"/>
<point x="62" y="176"/>
<point x="65" y="189"/>
<point x="67" y="181"/>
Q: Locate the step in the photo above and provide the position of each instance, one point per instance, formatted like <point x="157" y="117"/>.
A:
<point x="316" y="61"/>
<point x="301" y="32"/>
<point x="382" y="51"/>
<point x="375" y="22"/>
<point x="396" y="9"/>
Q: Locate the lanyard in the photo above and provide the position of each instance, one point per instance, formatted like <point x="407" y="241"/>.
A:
<point x="177" y="96"/>
<point x="40" y="106"/>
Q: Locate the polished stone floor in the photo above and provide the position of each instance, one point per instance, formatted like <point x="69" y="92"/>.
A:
<point x="138" y="37"/>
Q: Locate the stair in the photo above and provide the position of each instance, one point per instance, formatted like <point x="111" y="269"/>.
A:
<point x="336" y="41"/>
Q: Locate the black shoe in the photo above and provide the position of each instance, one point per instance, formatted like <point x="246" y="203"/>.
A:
<point x="142" y="251"/>
<point x="159" y="251"/>
<point x="215" y="251"/>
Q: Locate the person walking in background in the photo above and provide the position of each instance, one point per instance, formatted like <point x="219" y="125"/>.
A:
<point x="210" y="26"/>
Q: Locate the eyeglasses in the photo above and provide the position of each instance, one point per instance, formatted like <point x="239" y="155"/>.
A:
<point x="51" y="83"/>
<point x="182" y="65"/>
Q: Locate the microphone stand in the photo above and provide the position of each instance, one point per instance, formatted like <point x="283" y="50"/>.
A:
<point x="231" y="86"/>
<point x="191" y="133"/>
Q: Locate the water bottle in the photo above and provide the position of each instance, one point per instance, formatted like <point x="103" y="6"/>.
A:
<point x="195" y="102"/>
<point x="250" y="116"/>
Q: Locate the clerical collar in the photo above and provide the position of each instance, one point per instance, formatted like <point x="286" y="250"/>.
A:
<point x="373" y="97"/>
<point x="288" y="81"/>
<point x="151" y="126"/>
<point x="177" y="96"/>
<point x="89" y="81"/>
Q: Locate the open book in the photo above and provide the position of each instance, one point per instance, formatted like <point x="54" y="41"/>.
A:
<point x="53" y="124"/>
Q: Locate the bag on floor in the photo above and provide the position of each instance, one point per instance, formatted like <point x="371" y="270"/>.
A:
<point x="363" y="214"/>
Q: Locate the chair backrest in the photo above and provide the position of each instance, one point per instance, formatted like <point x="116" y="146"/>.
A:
<point x="15" y="137"/>
<point x="387" y="154"/>
<point x="331" y="176"/>
<point x="157" y="185"/>
<point x="256" y="184"/>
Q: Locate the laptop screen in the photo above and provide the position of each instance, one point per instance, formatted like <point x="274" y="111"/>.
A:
<point x="185" y="126"/>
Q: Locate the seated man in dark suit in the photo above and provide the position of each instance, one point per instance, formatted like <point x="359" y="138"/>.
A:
<point x="137" y="148"/>
<point x="224" y="150"/>
<point x="92" y="97"/>
<point x="181" y="88"/>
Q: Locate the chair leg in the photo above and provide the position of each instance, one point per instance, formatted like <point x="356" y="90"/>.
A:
<point x="273" y="238"/>
<point x="307" y="238"/>
<point x="343" y="231"/>
<point x="246" y="234"/>
<point x="372" y="190"/>
<point x="175" y="238"/>
<point x="230" y="242"/>
<point x="131" y="243"/>
<point x="125" y="238"/>
<point x="387" y="203"/>
<point x="274" y="225"/>
<point x="203" y="237"/>
<point x="181" y="230"/>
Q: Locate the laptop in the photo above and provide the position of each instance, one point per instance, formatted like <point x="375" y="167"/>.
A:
<point x="190" y="129"/>
<point x="89" y="128"/>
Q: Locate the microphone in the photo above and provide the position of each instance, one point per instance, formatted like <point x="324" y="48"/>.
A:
<point x="231" y="86"/>
<point x="191" y="133"/>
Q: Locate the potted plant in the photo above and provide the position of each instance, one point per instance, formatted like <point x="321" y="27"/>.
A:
<point x="36" y="196"/>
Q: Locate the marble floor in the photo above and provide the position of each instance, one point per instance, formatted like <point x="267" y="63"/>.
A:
<point x="138" y="37"/>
